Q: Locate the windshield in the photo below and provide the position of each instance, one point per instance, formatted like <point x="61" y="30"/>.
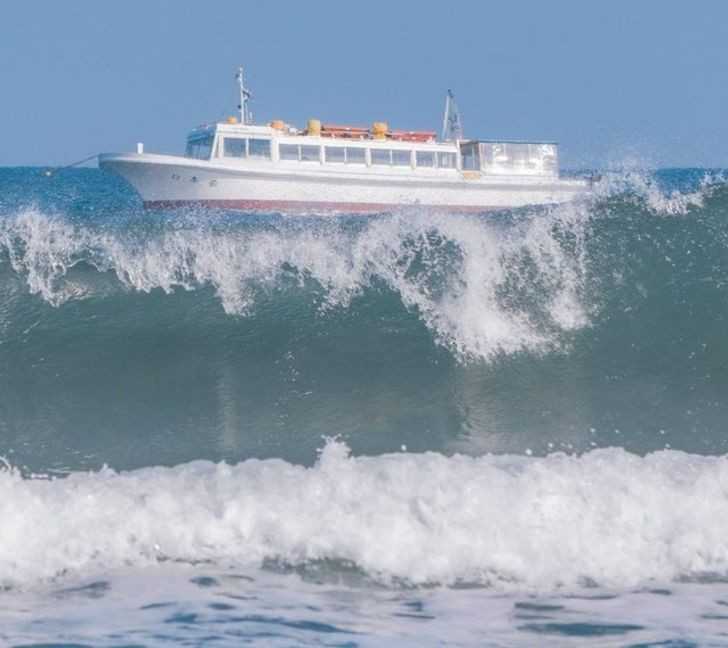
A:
<point x="200" y="148"/>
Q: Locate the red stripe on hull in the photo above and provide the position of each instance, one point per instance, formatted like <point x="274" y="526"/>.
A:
<point x="306" y="206"/>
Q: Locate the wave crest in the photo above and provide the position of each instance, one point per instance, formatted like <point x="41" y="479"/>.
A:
<point x="481" y="286"/>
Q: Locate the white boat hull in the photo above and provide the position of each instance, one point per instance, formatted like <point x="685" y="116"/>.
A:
<point x="171" y="181"/>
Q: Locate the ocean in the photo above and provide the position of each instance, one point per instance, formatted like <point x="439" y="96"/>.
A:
<point x="412" y="429"/>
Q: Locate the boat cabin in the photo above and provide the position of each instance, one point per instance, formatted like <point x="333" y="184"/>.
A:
<point x="355" y="147"/>
<point x="331" y="147"/>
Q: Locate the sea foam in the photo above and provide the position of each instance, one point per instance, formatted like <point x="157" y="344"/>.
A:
<point x="607" y="517"/>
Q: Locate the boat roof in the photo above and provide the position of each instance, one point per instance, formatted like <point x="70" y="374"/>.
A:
<point x="512" y="141"/>
<point x="378" y="134"/>
<point x="348" y="134"/>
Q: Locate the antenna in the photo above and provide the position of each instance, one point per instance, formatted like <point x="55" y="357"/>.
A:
<point x="246" y="117"/>
<point x="452" y="125"/>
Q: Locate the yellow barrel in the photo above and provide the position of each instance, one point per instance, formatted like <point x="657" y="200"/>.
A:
<point x="380" y="130"/>
<point x="278" y="124"/>
<point x="314" y="127"/>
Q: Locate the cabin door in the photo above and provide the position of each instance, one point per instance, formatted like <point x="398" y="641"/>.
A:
<point x="470" y="156"/>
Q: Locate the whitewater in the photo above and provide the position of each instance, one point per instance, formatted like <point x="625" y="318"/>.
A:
<point x="411" y="429"/>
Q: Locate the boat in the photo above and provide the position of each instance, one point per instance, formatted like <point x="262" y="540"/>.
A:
<point x="237" y="164"/>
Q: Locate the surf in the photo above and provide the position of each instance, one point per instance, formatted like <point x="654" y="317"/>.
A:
<point x="606" y="518"/>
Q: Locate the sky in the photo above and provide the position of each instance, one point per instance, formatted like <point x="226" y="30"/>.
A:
<point x="617" y="83"/>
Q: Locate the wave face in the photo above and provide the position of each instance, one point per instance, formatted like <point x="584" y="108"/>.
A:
<point x="541" y="382"/>
<point x="220" y="336"/>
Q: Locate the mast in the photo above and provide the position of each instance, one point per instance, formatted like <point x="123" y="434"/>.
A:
<point x="246" y="117"/>
<point x="452" y="125"/>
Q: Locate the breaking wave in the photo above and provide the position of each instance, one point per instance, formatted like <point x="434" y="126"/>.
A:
<point x="482" y="286"/>
<point x="607" y="518"/>
<point x="470" y="280"/>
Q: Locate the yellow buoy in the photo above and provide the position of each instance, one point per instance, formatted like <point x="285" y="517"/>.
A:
<point x="314" y="127"/>
<point x="380" y="130"/>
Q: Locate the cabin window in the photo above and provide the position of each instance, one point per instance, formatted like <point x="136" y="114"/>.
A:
<point x="259" y="148"/>
<point x="446" y="160"/>
<point x="200" y="148"/>
<point x="288" y="151"/>
<point x="540" y="158"/>
<point x="401" y="158"/>
<point x="335" y="154"/>
<point x="310" y="153"/>
<point x="234" y="147"/>
<point x="425" y="159"/>
<point x="355" y="155"/>
<point x="381" y="156"/>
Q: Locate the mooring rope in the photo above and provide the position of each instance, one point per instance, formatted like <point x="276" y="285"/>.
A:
<point x="50" y="172"/>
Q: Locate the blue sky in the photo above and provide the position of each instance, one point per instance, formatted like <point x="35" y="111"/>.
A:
<point x="615" y="82"/>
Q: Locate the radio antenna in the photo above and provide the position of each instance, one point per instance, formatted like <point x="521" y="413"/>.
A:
<point x="246" y="117"/>
<point x="452" y="125"/>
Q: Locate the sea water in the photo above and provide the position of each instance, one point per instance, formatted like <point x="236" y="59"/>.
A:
<point x="408" y="429"/>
